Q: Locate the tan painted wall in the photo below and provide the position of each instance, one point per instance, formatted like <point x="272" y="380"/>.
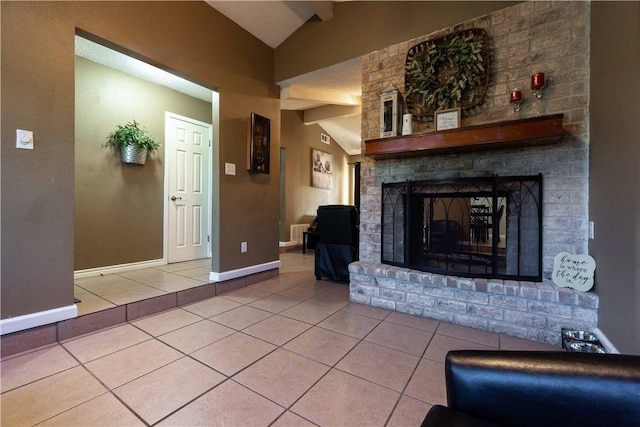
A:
<point x="302" y="199"/>
<point x="37" y="84"/>
<point x="614" y="197"/>
<point x="119" y="209"/>
<point x="360" y="27"/>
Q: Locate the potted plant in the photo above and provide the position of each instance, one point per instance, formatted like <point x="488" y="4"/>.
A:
<point x="134" y="142"/>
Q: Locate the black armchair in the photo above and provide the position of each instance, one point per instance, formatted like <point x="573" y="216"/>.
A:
<point x="502" y="388"/>
<point x="338" y="246"/>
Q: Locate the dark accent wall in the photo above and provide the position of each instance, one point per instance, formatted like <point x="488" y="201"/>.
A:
<point x="119" y="208"/>
<point x="37" y="85"/>
<point x="614" y="197"/>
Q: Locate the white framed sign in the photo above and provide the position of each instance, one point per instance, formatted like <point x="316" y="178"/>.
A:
<point x="447" y="119"/>
<point x="573" y="271"/>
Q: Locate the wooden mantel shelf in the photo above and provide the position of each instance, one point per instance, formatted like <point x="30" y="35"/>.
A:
<point x="508" y="134"/>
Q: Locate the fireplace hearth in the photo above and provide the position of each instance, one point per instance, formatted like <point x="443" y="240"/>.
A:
<point x="487" y="227"/>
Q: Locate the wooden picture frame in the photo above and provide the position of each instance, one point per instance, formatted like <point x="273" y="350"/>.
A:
<point x="447" y="119"/>
<point x="259" y="146"/>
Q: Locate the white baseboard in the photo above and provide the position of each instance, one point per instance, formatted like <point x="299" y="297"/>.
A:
<point x="289" y="243"/>
<point x="608" y="345"/>
<point x="242" y="272"/>
<point x="32" y="320"/>
<point x="111" y="269"/>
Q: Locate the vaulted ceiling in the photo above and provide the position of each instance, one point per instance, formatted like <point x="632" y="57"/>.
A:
<point x="329" y="97"/>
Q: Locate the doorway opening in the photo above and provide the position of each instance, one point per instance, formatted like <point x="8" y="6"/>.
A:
<point x="120" y="210"/>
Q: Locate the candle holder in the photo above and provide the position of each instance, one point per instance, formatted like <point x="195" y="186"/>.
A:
<point x="516" y="100"/>
<point x="537" y="84"/>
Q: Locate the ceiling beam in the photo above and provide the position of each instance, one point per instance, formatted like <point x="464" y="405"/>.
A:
<point x="329" y="112"/>
<point x="319" y="95"/>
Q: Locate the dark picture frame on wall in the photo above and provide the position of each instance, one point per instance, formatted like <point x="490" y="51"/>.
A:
<point x="258" y="153"/>
<point x="321" y="169"/>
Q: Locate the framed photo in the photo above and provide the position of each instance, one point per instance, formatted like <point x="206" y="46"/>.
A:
<point x="258" y="152"/>
<point x="448" y="119"/>
<point x="321" y="169"/>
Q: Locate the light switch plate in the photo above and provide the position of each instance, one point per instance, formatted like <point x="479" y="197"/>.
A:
<point x="24" y="139"/>
<point x="230" y="168"/>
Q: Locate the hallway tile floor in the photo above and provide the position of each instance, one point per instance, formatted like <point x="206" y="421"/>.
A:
<point x="290" y="351"/>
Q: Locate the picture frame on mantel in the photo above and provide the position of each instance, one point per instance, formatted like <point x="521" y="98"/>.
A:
<point x="259" y="145"/>
<point x="447" y="119"/>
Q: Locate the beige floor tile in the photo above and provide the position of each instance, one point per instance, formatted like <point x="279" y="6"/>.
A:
<point x="367" y="310"/>
<point x="322" y="345"/>
<point x="309" y="312"/>
<point x="141" y="273"/>
<point x="211" y="306"/>
<point x="304" y="291"/>
<point x="413" y="321"/>
<point x="43" y="399"/>
<point x="340" y="399"/>
<point x="196" y="336"/>
<point x="513" y="343"/>
<point x="275" y="303"/>
<point x="282" y="376"/>
<point x="289" y="419"/>
<point x="489" y="339"/>
<point x="194" y="272"/>
<point x="159" y="393"/>
<point x="350" y="324"/>
<point x="159" y="324"/>
<point x="107" y="288"/>
<point x="409" y="412"/>
<point x="441" y="344"/>
<point x="202" y="262"/>
<point x="332" y="299"/>
<point x="33" y="366"/>
<point x="404" y="338"/>
<point x="90" y="303"/>
<point x="170" y="282"/>
<point x="133" y="295"/>
<point x="233" y="353"/>
<point x="107" y="341"/>
<point x="277" y="329"/>
<point x="241" y="317"/>
<point x="428" y="383"/>
<point x="229" y="404"/>
<point x="175" y="267"/>
<point x="273" y="286"/>
<point x="104" y="410"/>
<point x="381" y="365"/>
<point x="88" y="282"/>
<point x="133" y="362"/>
<point x="245" y="295"/>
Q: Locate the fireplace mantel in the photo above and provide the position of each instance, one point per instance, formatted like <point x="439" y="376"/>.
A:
<point x="507" y="134"/>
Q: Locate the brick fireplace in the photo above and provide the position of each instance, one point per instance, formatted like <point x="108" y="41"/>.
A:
<point x="525" y="38"/>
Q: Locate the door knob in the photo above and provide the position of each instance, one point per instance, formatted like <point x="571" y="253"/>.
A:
<point x="174" y="198"/>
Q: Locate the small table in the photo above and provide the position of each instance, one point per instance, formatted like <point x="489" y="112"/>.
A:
<point x="312" y="236"/>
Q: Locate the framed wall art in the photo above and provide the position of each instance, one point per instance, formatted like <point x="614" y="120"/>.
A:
<point x="447" y="119"/>
<point x="321" y="169"/>
<point x="258" y="152"/>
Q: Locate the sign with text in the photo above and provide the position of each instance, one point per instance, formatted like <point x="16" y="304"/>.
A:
<point x="573" y="271"/>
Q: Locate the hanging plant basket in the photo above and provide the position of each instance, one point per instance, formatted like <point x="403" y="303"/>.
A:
<point x="447" y="72"/>
<point x="134" y="142"/>
<point x="133" y="154"/>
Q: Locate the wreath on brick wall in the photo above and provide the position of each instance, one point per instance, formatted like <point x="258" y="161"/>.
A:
<point x="451" y="71"/>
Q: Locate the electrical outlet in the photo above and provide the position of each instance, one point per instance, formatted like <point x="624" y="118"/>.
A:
<point x="230" y="168"/>
<point x="243" y="247"/>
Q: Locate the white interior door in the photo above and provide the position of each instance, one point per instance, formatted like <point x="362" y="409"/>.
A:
<point x="187" y="152"/>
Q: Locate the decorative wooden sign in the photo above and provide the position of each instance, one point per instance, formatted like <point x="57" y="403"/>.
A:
<point x="573" y="271"/>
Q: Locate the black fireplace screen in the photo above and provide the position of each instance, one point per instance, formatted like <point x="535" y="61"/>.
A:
<point x="473" y="227"/>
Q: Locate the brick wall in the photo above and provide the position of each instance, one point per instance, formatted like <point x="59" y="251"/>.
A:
<point x="552" y="37"/>
<point x="526" y="38"/>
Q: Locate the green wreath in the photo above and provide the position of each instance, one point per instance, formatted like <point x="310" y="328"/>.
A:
<point x="445" y="73"/>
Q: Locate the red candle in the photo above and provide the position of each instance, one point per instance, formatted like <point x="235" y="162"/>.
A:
<point x="537" y="81"/>
<point x="516" y="96"/>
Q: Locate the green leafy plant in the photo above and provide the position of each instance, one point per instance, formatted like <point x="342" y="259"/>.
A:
<point x="132" y="134"/>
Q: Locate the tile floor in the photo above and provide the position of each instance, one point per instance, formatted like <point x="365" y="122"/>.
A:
<point x="290" y="351"/>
